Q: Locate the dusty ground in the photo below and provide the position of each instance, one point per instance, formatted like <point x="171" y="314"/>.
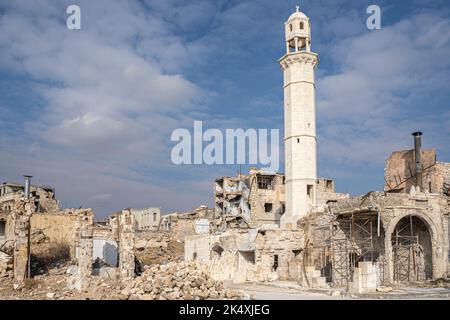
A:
<point x="172" y="281"/>
<point x="286" y="290"/>
<point x="54" y="287"/>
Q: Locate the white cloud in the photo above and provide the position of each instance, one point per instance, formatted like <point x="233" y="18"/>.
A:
<point x="382" y="89"/>
<point x="109" y="105"/>
<point x="113" y="92"/>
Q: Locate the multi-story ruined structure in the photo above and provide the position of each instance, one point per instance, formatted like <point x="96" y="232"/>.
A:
<point x="201" y="220"/>
<point x="257" y="199"/>
<point x="250" y="200"/>
<point x="146" y="219"/>
<point x="43" y="195"/>
<point x="10" y="193"/>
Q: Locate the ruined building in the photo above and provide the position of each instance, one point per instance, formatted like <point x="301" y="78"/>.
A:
<point x="264" y="226"/>
<point x="257" y="199"/>
<point x="402" y="172"/>
<point x="198" y="221"/>
<point x="34" y="227"/>
<point x="43" y="195"/>
<point x="146" y="218"/>
<point x="403" y="231"/>
<point x="11" y="193"/>
<point x="296" y="227"/>
<point x="359" y="243"/>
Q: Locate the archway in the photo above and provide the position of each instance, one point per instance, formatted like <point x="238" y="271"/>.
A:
<point x="411" y="250"/>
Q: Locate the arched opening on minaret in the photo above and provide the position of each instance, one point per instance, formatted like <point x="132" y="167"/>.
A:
<point x="302" y="26"/>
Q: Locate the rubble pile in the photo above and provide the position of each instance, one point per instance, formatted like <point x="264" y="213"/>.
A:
<point x="158" y="248"/>
<point x="173" y="281"/>
<point x="177" y="281"/>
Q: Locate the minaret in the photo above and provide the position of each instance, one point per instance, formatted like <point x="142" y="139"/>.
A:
<point x="300" y="143"/>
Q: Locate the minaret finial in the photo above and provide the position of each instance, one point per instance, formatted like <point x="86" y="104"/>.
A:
<point x="297" y="8"/>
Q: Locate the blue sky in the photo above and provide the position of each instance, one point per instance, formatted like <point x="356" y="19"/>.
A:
<point x="91" y="111"/>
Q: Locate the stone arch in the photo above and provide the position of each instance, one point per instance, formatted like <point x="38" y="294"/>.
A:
<point x="433" y="232"/>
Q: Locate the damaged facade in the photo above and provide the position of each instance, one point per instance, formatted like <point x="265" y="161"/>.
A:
<point x="183" y="224"/>
<point x="146" y="218"/>
<point x="257" y="199"/>
<point x="35" y="229"/>
<point x="400" y="173"/>
<point x="44" y="197"/>
<point x="296" y="227"/>
<point x="359" y="243"/>
<point x="264" y="226"/>
<point x="11" y="193"/>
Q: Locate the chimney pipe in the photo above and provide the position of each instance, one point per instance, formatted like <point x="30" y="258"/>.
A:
<point x="27" y="186"/>
<point x="418" y="157"/>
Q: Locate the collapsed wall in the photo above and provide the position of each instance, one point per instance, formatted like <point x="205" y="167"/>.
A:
<point x="247" y="255"/>
<point x="182" y="224"/>
<point x="58" y="227"/>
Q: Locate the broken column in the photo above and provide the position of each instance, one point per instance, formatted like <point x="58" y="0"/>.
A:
<point x="23" y="209"/>
<point x="125" y="223"/>
<point x="83" y="243"/>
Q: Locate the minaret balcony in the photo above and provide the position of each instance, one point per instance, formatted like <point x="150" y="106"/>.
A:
<point x="298" y="57"/>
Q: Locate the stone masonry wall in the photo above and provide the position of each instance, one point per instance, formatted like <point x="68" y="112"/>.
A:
<point x="22" y="211"/>
<point x="126" y="244"/>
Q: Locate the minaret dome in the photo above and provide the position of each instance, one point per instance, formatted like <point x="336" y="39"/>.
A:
<point x="298" y="32"/>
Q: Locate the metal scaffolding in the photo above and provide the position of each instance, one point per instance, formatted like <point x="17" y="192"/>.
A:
<point x="409" y="263"/>
<point x="352" y="241"/>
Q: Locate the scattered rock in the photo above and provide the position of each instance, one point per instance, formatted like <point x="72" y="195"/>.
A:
<point x="50" y="295"/>
<point x="140" y="244"/>
<point x="335" y="293"/>
<point x="384" y="289"/>
<point x="179" y="280"/>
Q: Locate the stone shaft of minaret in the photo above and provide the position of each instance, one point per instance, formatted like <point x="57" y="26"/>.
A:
<point x="298" y="65"/>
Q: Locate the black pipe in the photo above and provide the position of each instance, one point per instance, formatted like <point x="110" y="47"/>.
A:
<point x="418" y="158"/>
